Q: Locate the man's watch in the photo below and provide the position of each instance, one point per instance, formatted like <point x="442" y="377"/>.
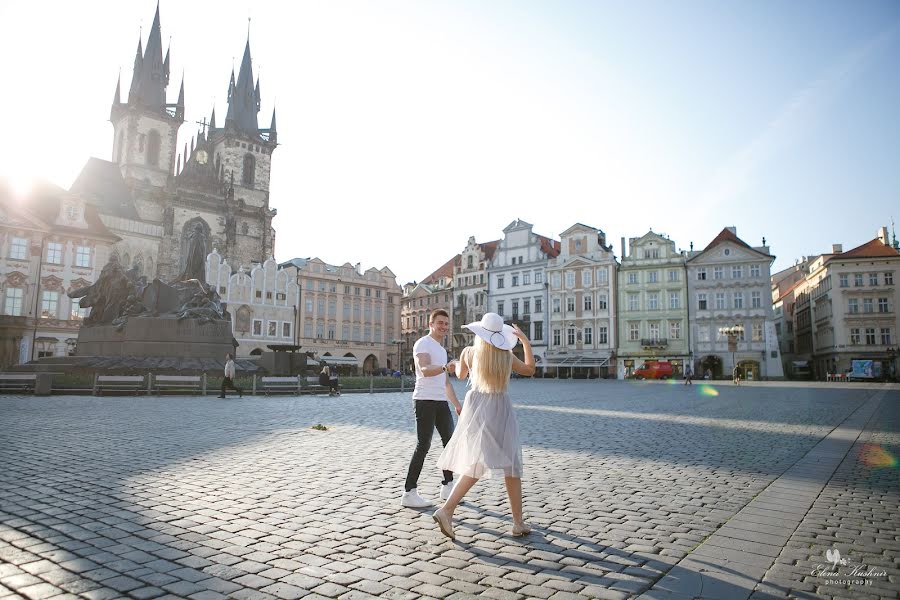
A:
<point x="444" y="368"/>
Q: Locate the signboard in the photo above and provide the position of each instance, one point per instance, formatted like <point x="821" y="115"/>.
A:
<point x="865" y="369"/>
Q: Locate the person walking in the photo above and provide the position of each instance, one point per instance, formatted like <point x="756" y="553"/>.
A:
<point x="687" y="375"/>
<point x="430" y="396"/>
<point x="486" y="441"/>
<point x="228" y="381"/>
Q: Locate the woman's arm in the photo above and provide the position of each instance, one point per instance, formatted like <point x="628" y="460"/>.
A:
<point x="462" y="365"/>
<point x="525" y="368"/>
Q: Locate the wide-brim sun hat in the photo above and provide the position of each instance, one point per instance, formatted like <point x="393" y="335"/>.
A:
<point x="494" y="331"/>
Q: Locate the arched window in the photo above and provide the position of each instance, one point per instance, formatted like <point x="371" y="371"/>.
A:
<point x="153" y="143"/>
<point x="249" y="175"/>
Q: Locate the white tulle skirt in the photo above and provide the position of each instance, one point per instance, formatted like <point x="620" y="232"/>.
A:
<point x="485" y="442"/>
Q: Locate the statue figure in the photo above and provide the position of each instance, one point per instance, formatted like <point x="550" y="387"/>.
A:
<point x="106" y="296"/>
<point x="195" y="265"/>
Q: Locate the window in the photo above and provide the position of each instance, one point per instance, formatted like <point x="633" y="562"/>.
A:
<point x="570" y="304"/>
<point x="556" y="338"/>
<point x="272" y="329"/>
<point x="858" y="279"/>
<point x="538" y="330"/>
<point x="346" y="310"/>
<point x="868" y="305"/>
<point x="77" y="313"/>
<point x="632" y="277"/>
<point x="278" y="296"/>
<point x="653" y="329"/>
<point x="588" y="335"/>
<point x="248" y="176"/>
<point x="634" y="332"/>
<point x="674" y="300"/>
<point x="54" y="253"/>
<point x="737" y="271"/>
<point x="675" y="330"/>
<point x="654" y="253"/>
<point x="357" y="311"/>
<point x="701" y="301"/>
<point x="13" y="303"/>
<point x="882" y="305"/>
<point x="844" y="280"/>
<point x="602" y="302"/>
<point x="633" y="302"/>
<point x="500" y="308"/>
<point x="356" y="291"/>
<point x="320" y="307"/>
<point x="673" y="275"/>
<point x="653" y="277"/>
<point x="701" y="274"/>
<point x="378" y="313"/>
<point x="526" y="278"/>
<point x="603" y="335"/>
<point x="153" y="144"/>
<point x="332" y="309"/>
<point x="538" y="305"/>
<point x="500" y="283"/>
<point x="738" y="300"/>
<point x="885" y="336"/>
<point x="49" y="305"/>
<point x="653" y="301"/>
<point x="377" y="293"/>
<point x="588" y="302"/>
<point x="320" y="329"/>
<point x="755" y="300"/>
<point x="367" y="333"/>
<point x="586" y="278"/>
<point x="526" y="307"/>
<point x="889" y="278"/>
<point x="757" y="332"/>
<point x="367" y="312"/>
<point x="853" y="305"/>
<point x="873" y="279"/>
<point x="257" y="326"/>
<point x="286" y="330"/>
<point x="570" y="336"/>
<point x="259" y="293"/>
<point x="602" y="276"/>
<point x="718" y="273"/>
<point x="870" y="336"/>
<point x="368" y="293"/>
<point x="515" y="281"/>
<point x="515" y="309"/>
<point x="18" y="248"/>
<point x="345" y="332"/>
<point x="854" y="335"/>
<point x="754" y="270"/>
<point x="570" y="279"/>
<point x="556" y="305"/>
<point x="720" y="300"/>
<point x="538" y="277"/>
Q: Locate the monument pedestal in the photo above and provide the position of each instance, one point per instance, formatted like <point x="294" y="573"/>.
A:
<point x="157" y="336"/>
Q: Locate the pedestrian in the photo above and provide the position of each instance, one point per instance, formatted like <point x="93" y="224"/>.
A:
<point x="736" y="376"/>
<point x="228" y="381"/>
<point x="687" y="375"/>
<point x="707" y="374"/>
<point x="486" y="443"/>
<point x="430" y="397"/>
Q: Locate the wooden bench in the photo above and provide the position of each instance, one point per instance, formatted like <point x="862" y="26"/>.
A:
<point x="280" y="384"/>
<point x="133" y="383"/>
<point x="314" y="387"/>
<point x="177" y="383"/>
<point x="19" y="382"/>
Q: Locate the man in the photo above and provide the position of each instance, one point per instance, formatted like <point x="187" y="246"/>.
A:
<point x="688" y="373"/>
<point x="228" y="381"/>
<point x="430" y="396"/>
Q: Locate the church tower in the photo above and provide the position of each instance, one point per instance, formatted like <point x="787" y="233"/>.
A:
<point x="145" y="126"/>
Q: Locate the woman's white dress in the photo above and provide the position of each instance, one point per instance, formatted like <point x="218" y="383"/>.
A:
<point x="485" y="442"/>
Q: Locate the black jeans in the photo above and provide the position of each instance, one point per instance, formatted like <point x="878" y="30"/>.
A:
<point x="429" y="414"/>
<point x="227" y="382"/>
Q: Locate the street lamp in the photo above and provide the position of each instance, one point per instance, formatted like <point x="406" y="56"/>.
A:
<point x="399" y="359"/>
<point x="732" y="333"/>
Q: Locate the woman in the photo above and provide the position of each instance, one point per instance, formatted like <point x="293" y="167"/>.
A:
<point x="486" y="440"/>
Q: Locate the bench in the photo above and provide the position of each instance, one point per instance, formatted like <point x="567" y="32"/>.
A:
<point x="192" y="383"/>
<point x="280" y="384"/>
<point x="313" y="386"/>
<point x="134" y="383"/>
<point x="20" y="382"/>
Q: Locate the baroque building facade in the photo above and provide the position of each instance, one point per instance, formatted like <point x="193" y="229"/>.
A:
<point x="582" y="304"/>
<point x="152" y="196"/>
<point x="470" y="300"/>
<point x="419" y="300"/>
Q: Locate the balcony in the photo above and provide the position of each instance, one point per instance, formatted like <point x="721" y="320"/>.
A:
<point x="654" y="343"/>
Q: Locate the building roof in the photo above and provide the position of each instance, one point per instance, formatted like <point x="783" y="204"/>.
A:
<point x="243" y="98"/>
<point x="871" y="249"/>
<point x="445" y="270"/>
<point x="151" y="73"/>
<point x="726" y="235"/>
<point x="43" y="203"/>
<point x="489" y="248"/>
<point x="100" y="183"/>
<point x="550" y="247"/>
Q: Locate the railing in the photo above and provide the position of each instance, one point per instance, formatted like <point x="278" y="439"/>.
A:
<point x="654" y="343"/>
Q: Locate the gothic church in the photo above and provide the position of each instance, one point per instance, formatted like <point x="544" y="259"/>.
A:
<point x="152" y="196"/>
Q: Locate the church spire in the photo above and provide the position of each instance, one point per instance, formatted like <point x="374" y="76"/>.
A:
<point x="243" y="98"/>
<point x="117" y="98"/>
<point x="151" y="73"/>
<point x="212" y="119"/>
<point x="179" y="106"/>
<point x="136" y="75"/>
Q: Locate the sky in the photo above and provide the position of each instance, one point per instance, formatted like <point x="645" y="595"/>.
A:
<point x="407" y="126"/>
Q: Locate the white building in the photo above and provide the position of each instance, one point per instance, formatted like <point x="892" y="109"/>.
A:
<point x="471" y="290"/>
<point x="516" y="282"/>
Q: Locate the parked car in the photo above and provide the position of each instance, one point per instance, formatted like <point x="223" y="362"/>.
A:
<point x="654" y="369"/>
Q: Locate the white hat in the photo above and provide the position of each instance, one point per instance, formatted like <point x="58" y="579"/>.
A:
<point x="494" y="331"/>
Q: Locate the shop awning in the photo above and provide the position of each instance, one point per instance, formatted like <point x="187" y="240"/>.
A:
<point x="350" y="361"/>
<point x="576" y="361"/>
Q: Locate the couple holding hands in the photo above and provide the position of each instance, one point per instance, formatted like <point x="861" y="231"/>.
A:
<point x="485" y="442"/>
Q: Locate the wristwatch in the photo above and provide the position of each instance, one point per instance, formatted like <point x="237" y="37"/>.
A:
<point x="444" y="368"/>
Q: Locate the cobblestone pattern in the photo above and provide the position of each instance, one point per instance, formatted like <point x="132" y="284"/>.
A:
<point x="857" y="515"/>
<point x="202" y="498"/>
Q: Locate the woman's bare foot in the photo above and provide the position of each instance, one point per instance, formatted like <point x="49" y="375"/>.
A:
<point x="521" y="529"/>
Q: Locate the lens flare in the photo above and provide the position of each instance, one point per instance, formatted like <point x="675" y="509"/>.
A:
<point x="707" y="390"/>
<point x="873" y="455"/>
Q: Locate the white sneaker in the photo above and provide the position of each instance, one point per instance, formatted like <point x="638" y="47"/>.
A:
<point x="447" y="489"/>
<point x="412" y="499"/>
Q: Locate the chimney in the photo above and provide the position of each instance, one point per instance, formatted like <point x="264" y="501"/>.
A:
<point x="623" y="247"/>
<point x="836" y="248"/>
<point x="883" y="236"/>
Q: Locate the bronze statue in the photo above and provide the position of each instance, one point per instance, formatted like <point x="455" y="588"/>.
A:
<point x="195" y="265"/>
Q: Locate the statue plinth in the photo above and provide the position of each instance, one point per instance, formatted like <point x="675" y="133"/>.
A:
<point x="157" y="336"/>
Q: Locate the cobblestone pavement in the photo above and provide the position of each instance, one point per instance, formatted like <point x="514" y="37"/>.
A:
<point x="625" y="482"/>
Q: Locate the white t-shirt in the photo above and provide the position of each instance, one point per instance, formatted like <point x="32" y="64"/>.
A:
<point x="430" y="388"/>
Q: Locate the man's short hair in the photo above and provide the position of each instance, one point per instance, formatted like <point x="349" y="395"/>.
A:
<point x="438" y="312"/>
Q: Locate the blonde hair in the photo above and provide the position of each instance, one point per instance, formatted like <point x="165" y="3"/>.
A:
<point x="489" y="367"/>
